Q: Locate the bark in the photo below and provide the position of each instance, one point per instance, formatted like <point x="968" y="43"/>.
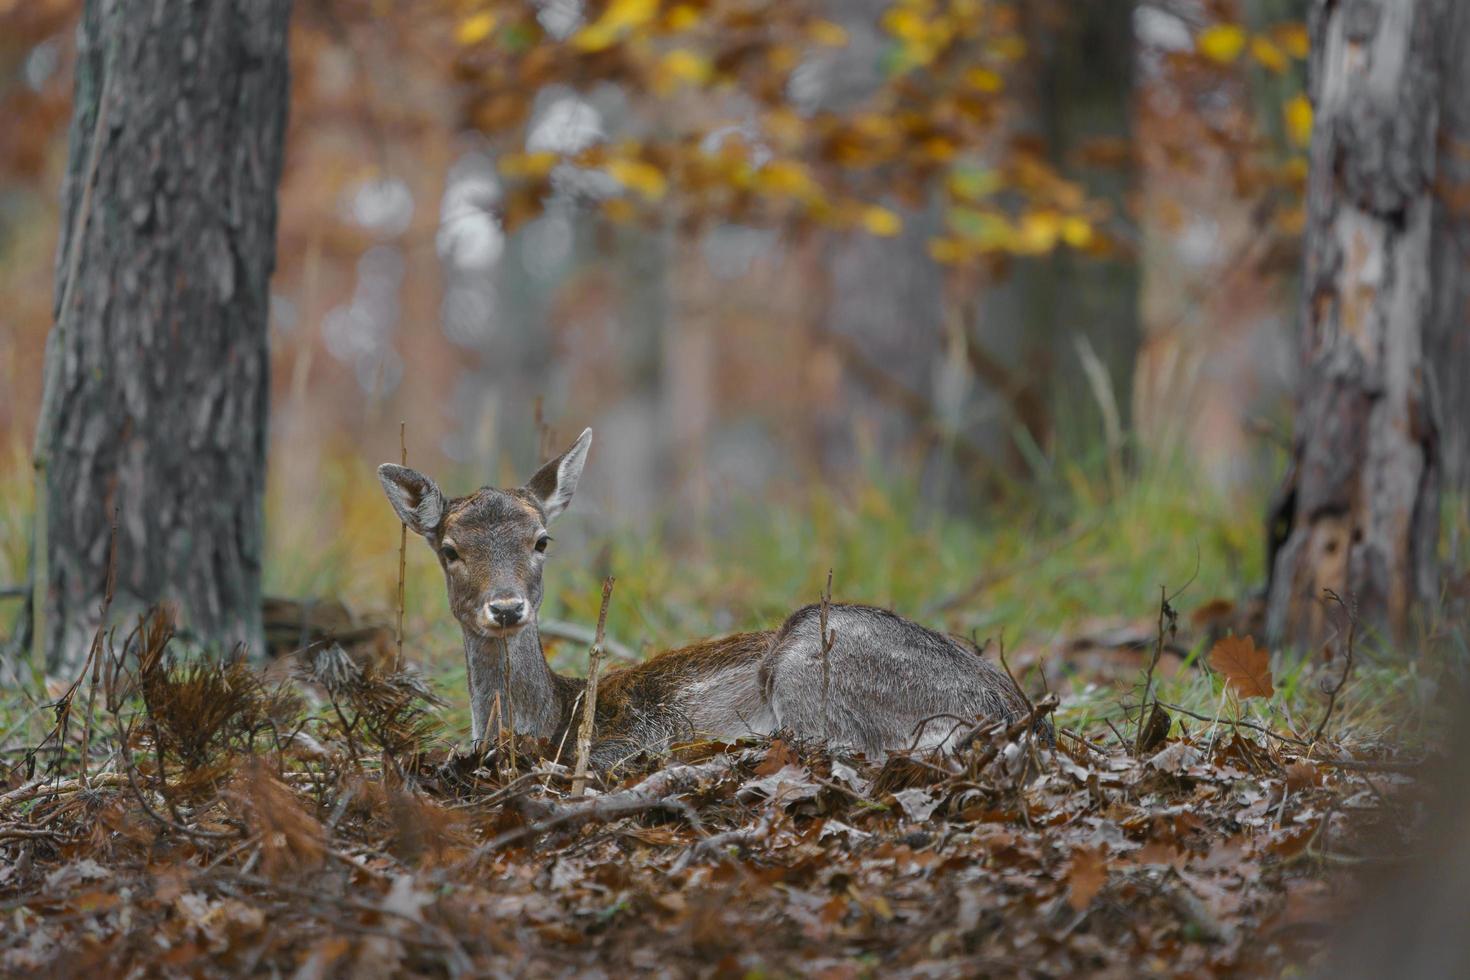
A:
<point x="1358" y="510"/>
<point x="157" y="368"/>
<point x="1448" y="339"/>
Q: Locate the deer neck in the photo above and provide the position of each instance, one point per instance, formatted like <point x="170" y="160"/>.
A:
<point x="539" y="699"/>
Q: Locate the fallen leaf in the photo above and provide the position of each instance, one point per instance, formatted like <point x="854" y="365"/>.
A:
<point x="1300" y="775"/>
<point x="1086" y="874"/>
<point x="789" y="785"/>
<point x="1247" y="667"/>
<point x="1174" y="758"/>
<point x="778" y="757"/>
<point x="917" y="803"/>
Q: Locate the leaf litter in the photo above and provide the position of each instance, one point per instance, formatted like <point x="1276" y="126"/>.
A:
<point x="320" y="827"/>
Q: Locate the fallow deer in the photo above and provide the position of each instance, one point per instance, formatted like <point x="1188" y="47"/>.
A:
<point x="889" y="683"/>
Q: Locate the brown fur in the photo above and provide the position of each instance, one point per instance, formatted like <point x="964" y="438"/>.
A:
<point x="628" y="696"/>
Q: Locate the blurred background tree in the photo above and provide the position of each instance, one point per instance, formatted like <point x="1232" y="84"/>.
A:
<point x="760" y="246"/>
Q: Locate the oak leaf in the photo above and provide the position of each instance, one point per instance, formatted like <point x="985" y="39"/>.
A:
<point x="1086" y="874"/>
<point x="1247" y="667"/>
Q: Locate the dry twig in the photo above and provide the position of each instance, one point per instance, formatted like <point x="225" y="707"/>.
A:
<point x="1332" y="690"/>
<point x="589" y="707"/>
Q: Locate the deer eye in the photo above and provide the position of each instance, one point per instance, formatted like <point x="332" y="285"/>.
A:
<point x="448" y="553"/>
<point x="542" y="542"/>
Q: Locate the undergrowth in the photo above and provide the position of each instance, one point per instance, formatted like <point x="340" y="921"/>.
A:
<point x="1082" y="554"/>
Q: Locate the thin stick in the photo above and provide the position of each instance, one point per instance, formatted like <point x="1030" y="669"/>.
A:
<point x="94" y="659"/>
<point x="510" y="718"/>
<point x="1347" y="668"/>
<point x="499" y="722"/>
<point x="1148" y="678"/>
<point x="827" y="639"/>
<point x="1178" y="709"/>
<point x="402" y="550"/>
<point x="589" y="708"/>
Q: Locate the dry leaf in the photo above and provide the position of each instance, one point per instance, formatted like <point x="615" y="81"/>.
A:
<point x="1247" y="667"/>
<point x="1086" y="874"/>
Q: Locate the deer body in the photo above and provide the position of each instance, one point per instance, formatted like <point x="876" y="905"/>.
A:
<point x="887" y="683"/>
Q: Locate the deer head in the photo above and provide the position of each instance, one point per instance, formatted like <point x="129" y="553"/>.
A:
<point x="491" y="544"/>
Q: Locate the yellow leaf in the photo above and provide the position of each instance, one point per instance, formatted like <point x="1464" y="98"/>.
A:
<point x="785" y="177"/>
<point x="881" y="221"/>
<point x="1293" y="37"/>
<point x="828" y="34"/>
<point x="905" y="24"/>
<point x="984" y="79"/>
<point x="1038" y="233"/>
<point x="939" y="148"/>
<point x="682" y="17"/>
<point x="619" y="210"/>
<point x="1221" y="43"/>
<point x="624" y="14"/>
<point x="682" y="66"/>
<point x="620" y="18"/>
<point x="642" y="177"/>
<point x="1077" y="232"/>
<point x="473" y="30"/>
<point x="1268" y="54"/>
<point x="1298" y="115"/>
<point x="518" y="165"/>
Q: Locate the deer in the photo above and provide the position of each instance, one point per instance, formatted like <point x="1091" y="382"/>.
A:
<point x="876" y="684"/>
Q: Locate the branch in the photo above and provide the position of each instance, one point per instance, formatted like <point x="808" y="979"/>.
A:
<point x="574" y="633"/>
<point x="658" y="790"/>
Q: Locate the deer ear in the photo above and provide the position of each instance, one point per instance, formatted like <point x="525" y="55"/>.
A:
<point x="417" y="498"/>
<point x="555" y="482"/>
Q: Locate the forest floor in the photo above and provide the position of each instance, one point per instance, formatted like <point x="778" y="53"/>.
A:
<point x="164" y="816"/>
<point x="227" y="826"/>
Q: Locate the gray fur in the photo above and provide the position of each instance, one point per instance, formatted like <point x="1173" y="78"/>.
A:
<point x="889" y="680"/>
<point x="728" y="705"/>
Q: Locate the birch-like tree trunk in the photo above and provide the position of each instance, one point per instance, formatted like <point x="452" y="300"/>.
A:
<point x="1448" y="341"/>
<point x="1357" y="512"/>
<point x="157" y="380"/>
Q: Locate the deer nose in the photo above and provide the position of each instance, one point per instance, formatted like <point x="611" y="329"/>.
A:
<point x="506" y="612"/>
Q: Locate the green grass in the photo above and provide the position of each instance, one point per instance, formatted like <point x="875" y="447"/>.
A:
<point x="1081" y="549"/>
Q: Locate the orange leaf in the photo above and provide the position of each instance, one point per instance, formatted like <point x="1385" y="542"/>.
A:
<point x="1247" y="668"/>
<point x="1086" y="874"/>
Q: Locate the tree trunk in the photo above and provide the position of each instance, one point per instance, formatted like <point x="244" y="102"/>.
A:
<point x="1055" y="314"/>
<point x="158" y="374"/>
<point x="1448" y="340"/>
<point x="1358" y="510"/>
